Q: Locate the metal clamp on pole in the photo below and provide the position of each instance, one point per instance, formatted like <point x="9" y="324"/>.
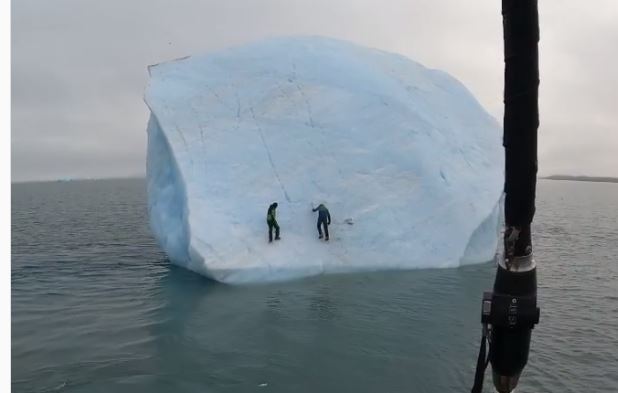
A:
<point x="510" y="312"/>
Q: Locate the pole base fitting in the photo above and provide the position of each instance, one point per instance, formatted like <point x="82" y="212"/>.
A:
<point x="508" y="315"/>
<point x="503" y="383"/>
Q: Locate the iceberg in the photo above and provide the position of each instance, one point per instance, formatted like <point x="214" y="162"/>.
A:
<point x="407" y="161"/>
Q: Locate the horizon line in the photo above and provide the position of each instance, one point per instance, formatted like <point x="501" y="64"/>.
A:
<point x="143" y="176"/>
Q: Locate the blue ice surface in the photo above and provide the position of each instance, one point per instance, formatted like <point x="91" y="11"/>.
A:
<point x="403" y="152"/>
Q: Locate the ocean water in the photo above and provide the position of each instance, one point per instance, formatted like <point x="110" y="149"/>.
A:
<point x="96" y="307"/>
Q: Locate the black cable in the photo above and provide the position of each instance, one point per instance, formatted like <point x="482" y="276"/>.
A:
<point x="481" y="366"/>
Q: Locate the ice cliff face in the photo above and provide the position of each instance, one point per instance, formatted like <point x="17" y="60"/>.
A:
<point x="407" y="161"/>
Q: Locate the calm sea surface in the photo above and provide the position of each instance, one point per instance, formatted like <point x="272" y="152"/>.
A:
<point x="96" y="307"/>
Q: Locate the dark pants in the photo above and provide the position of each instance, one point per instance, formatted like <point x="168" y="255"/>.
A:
<point x="322" y="223"/>
<point x="271" y="225"/>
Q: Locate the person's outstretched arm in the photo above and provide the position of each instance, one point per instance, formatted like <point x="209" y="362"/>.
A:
<point x="328" y="217"/>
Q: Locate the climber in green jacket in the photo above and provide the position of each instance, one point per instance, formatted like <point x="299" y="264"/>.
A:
<point x="271" y="220"/>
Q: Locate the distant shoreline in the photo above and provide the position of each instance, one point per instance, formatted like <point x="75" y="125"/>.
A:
<point x="73" y="180"/>
<point x="596" y="179"/>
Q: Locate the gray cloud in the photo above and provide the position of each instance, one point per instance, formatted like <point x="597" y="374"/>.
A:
<point x="79" y="68"/>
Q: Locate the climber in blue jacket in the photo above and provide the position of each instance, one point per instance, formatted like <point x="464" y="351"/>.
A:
<point x="323" y="220"/>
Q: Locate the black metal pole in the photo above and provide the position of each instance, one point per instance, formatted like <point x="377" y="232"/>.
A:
<point x="509" y="313"/>
<point x="516" y="274"/>
<point x="521" y="113"/>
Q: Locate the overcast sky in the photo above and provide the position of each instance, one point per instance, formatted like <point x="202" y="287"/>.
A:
<point x="79" y="68"/>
